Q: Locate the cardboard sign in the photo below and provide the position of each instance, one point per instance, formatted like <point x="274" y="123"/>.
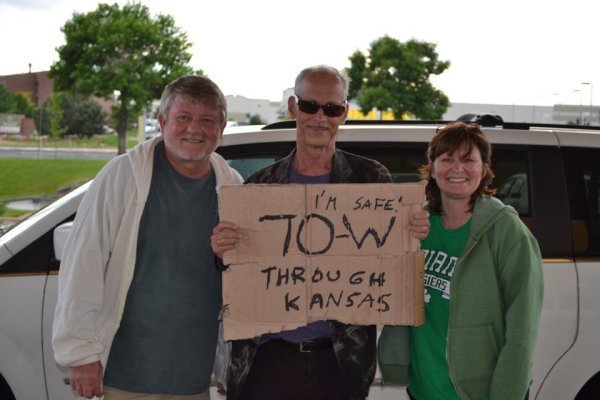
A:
<point x="321" y="251"/>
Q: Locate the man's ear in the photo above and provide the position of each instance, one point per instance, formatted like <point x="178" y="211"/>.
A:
<point x="223" y="126"/>
<point x="292" y="107"/>
<point x="345" y="114"/>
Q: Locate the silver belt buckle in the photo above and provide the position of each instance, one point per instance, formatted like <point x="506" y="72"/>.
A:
<point x="302" y="350"/>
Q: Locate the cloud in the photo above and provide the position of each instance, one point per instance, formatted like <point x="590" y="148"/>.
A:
<point x="537" y="56"/>
<point x="28" y="4"/>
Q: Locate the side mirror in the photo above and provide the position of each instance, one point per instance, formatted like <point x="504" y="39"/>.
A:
<point x="61" y="233"/>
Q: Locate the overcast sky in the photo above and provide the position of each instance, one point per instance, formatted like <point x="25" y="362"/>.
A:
<point x="501" y="52"/>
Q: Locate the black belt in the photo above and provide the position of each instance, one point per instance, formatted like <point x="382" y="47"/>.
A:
<point x="307" y="346"/>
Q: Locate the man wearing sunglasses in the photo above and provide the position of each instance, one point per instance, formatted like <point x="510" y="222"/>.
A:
<point x="325" y="359"/>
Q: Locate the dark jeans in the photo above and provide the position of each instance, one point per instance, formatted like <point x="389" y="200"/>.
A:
<point x="412" y="398"/>
<point x="280" y="371"/>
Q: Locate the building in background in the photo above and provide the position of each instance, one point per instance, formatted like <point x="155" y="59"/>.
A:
<point x="242" y="110"/>
<point x="509" y="113"/>
<point x="36" y="85"/>
<point x="563" y="114"/>
<point x="557" y="114"/>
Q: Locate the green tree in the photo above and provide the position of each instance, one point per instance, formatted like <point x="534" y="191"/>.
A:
<point x="42" y="120"/>
<point x="122" y="50"/>
<point x="81" y="117"/>
<point x="5" y="100"/>
<point x="55" y="115"/>
<point x="395" y="76"/>
<point x="69" y="114"/>
<point x="256" y="120"/>
<point x="23" y="105"/>
<point x="15" y="103"/>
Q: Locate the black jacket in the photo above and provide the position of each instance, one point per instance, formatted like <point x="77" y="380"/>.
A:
<point x="354" y="345"/>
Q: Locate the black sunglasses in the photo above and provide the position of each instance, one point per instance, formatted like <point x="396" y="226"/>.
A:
<point x="312" y="107"/>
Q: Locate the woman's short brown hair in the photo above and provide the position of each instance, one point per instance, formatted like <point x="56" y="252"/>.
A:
<point x="457" y="136"/>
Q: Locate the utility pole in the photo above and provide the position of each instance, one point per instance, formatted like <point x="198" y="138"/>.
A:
<point x="580" y="106"/>
<point x="591" y="94"/>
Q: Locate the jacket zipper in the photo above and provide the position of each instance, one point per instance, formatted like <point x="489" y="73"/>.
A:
<point x="465" y="253"/>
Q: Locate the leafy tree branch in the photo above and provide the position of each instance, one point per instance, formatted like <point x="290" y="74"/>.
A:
<point x="395" y="76"/>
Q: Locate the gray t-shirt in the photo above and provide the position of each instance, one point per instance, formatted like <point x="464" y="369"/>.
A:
<point x="167" y="338"/>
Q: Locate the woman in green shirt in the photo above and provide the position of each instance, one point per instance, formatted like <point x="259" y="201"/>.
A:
<point x="483" y="284"/>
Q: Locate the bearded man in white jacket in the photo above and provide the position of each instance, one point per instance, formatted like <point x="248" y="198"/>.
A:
<point x="139" y="291"/>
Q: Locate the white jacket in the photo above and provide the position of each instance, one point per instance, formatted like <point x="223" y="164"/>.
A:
<point x="99" y="255"/>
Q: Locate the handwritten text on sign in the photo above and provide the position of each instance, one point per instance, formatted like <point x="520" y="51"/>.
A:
<point x="312" y="252"/>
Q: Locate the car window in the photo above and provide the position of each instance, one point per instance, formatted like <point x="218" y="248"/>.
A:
<point x="511" y="171"/>
<point x="582" y="171"/>
<point x="403" y="160"/>
<point x="247" y="165"/>
<point x="248" y="158"/>
<point x="510" y="166"/>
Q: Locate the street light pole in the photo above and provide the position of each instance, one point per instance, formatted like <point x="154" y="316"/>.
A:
<point x="580" y="106"/>
<point x="591" y="94"/>
<point x="557" y="106"/>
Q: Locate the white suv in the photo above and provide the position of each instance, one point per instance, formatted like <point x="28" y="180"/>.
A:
<point x="550" y="174"/>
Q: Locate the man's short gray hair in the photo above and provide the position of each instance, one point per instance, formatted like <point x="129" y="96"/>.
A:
<point x="193" y="87"/>
<point x="321" y="69"/>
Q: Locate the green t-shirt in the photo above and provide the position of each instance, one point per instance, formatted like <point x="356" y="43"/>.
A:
<point x="428" y="375"/>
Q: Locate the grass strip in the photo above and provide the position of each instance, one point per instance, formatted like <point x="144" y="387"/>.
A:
<point x="28" y="177"/>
